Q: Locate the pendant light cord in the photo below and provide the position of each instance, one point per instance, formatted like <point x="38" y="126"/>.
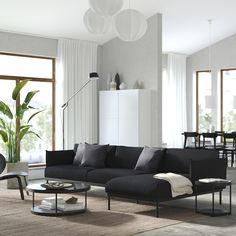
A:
<point x="210" y="42"/>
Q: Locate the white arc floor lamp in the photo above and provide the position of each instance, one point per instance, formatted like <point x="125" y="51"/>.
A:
<point x="92" y="76"/>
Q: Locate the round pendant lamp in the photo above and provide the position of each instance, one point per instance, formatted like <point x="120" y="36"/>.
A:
<point x="130" y="25"/>
<point x="106" y="7"/>
<point x="96" y="23"/>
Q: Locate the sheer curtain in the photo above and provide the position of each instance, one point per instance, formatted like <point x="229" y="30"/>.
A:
<point x="174" y="100"/>
<point x="76" y="59"/>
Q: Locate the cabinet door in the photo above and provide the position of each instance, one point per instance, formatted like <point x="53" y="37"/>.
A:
<point x="109" y="131"/>
<point x="108" y="117"/>
<point x="128" y="118"/>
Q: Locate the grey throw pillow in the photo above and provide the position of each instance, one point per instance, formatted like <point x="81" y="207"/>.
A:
<point x="94" y="155"/>
<point x="149" y="159"/>
<point x="79" y="154"/>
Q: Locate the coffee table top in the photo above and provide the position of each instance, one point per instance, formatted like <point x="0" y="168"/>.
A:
<point x="75" y="188"/>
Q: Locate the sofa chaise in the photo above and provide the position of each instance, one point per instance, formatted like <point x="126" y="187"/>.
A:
<point x="120" y="177"/>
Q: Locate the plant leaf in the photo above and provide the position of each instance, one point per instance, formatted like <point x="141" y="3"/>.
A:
<point x="4" y="136"/>
<point x="18" y="88"/>
<point x="30" y="107"/>
<point x="28" y="98"/>
<point x="2" y="123"/>
<point x="23" y="132"/>
<point x="32" y="132"/>
<point x="5" y="109"/>
<point x="24" y="126"/>
<point x="19" y="112"/>
<point x="31" y="117"/>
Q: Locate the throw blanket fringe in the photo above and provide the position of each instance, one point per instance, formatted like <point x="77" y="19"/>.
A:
<point x="179" y="184"/>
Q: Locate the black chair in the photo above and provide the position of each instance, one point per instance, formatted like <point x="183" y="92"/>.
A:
<point x="193" y="136"/>
<point x="209" y="140"/>
<point x="229" y="146"/>
<point x="12" y="175"/>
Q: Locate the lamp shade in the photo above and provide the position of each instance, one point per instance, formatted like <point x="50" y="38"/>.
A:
<point x="106" y="7"/>
<point x="130" y="25"/>
<point x="95" y="23"/>
<point x="93" y="76"/>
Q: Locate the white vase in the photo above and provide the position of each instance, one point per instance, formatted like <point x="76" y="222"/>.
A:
<point x="123" y="86"/>
<point x="113" y="85"/>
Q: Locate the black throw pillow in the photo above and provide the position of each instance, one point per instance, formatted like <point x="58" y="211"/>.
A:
<point x="94" y="155"/>
<point x="149" y="159"/>
<point x="79" y="154"/>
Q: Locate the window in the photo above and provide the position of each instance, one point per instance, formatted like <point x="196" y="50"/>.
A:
<point x="228" y="100"/>
<point x="204" y="101"/>
<point x="40" y="71"/>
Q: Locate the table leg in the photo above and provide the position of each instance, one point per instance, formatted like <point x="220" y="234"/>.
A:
<point x="220" y="197"/>
<point x="213" y="202"/>
<point x="33" y="201"/>
<point x="85" y="203"/>
<point x="108" y="202"/>
<point x="56" y="203"/>
<point x="230" y="198"/>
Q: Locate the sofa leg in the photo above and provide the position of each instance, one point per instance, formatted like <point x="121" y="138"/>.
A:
<point x="137" y="201"/>
<point x="109" y="202"/>
<point x="220" y="197"/>
<point x="157" y="209"/>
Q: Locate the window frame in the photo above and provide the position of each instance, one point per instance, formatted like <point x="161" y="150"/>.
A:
<point x="52" y="80"/>
<point x="222" y="95"/>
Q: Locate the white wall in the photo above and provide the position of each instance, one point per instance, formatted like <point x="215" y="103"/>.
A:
<point x="29" y="45"/>
<point x="138" y="61"/>
<point x="223" y="56"/>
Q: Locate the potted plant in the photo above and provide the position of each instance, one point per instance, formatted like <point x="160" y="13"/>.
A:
<point x="14" y="126"/>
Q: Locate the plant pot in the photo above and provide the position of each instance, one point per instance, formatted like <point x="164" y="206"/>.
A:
<point x="14" y="167"/>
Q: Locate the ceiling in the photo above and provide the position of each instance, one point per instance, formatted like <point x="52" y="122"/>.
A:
<point x="185" y="22"/>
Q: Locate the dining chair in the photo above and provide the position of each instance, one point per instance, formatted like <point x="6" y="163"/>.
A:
<point x="192" y="137"/>
<point x="12" y="175"/>
<point x="229" y="146"/>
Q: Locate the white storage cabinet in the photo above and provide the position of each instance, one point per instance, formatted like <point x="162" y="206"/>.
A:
<point x="125" y="117"/>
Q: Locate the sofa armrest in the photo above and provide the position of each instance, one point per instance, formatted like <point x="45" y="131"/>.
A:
<point x="211" y="168"/>
<point x="64" y="157"/>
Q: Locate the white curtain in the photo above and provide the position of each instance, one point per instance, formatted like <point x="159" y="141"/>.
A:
<point x="76" y="59"/>
<point x="174" y="100"/>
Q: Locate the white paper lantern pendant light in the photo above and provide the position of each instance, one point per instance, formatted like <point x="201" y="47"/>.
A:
<point x="106" y="7"/>
<point x="130" y="25"/>
<point x="95" y="23"/>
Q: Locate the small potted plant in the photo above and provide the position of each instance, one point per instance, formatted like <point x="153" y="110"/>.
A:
<point x="14" y="126"/>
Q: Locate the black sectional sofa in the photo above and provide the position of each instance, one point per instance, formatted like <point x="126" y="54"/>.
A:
<point x="119" y="177"/>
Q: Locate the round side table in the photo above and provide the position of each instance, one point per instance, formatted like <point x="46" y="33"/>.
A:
<point x="215" y="186"/>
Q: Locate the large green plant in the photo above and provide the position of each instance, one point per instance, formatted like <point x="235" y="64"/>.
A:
<point x="13" y="125"/>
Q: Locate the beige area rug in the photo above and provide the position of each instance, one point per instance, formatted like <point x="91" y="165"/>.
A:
<point x="125" y="217"/>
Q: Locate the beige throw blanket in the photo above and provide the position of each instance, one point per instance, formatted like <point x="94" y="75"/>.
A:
<point x="179" y="184"/>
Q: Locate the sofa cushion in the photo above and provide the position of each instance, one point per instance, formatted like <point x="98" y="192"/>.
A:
<point x="62" y="157"/>
<point x="70" y="172"/>
<point x="94" y="155"/>
<point x="149" y="159"/>
<point x="103" y="175"/>
<point x="178" y="160"/>
<point x="143" y="187"/>
<point x="110" y="159"/>
<point x="79" y="154"/>
<point x="127" y="157"/>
